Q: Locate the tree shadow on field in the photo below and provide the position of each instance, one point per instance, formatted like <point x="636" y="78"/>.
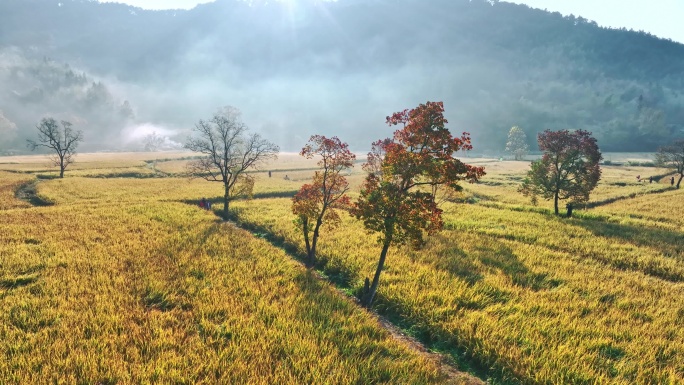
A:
<point x="196" y="203"/>
<point x="330" y="315"/>
<point x="320" y="306"/>
<point x="491" y="255"/>
<point x="510" y="265"/>
<point x="335" y="271"/>
<point x="219" y="200"/>
<point x="457" y="262"/>
<point x="669" y="243"/>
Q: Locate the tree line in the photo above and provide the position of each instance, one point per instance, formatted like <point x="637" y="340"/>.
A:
<point x="398" y="197"/>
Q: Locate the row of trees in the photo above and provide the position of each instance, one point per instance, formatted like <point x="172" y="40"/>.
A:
<point x="398" y="198"/>
<point x="421" y="154"/>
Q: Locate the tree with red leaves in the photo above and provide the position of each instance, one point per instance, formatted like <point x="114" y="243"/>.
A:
<point x="317" y="203"/>
<point x="397" y="198"/>
<point x="569" y="168"/>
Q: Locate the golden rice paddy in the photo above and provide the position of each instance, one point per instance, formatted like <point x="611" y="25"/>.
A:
<point x="123" y="279"/>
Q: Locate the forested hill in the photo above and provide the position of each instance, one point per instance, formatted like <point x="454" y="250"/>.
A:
<point x="340" y="67"/>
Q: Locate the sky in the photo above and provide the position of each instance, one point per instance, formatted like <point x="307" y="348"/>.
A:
<point x="160" y="4"/>
<point x="659" y="17"/>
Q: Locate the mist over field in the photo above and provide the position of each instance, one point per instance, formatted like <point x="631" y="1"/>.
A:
<point x="288" y="256"/>
<point x="333" y="68"/>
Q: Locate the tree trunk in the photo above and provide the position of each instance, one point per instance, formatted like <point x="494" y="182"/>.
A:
<point x="681" y="176"/>
<point x="555" y="202"/>
<point x="376" y="279"/>
<point x="61" y="166"/>
<point x="226" y="200"/>
<point x="311" y="257"/>
<point x="305" y="231"/>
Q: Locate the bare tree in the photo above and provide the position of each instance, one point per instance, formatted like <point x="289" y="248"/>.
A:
<point x="63" y="141"/>
<point x="672" y="157"/>
<point x="230" y="152"/>
<point x="153" y="142"/>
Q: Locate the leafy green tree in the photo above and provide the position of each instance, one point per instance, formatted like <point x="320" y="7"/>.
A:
<point x="396" y="199"/>
<point x="569" y="168"/>
<point x="517" y="143"/>
<point x="62" y="141"/>
<point x="672" y="157"/>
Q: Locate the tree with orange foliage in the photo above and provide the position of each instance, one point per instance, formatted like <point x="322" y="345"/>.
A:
<point x="396" y="198"/>
<point x="317" y="203"/>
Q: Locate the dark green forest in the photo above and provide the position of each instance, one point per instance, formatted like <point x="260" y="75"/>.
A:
<point x="337" y="68"/>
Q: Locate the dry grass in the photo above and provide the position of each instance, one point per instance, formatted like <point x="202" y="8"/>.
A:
<point x="120" y="281"/>
<point x="533" y="297"/>
<point x="9" y="184"/>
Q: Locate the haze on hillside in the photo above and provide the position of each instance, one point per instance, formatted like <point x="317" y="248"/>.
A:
<point x="333" y="68"/>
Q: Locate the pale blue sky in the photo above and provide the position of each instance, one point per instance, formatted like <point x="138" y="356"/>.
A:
<point x="662" y="18"/>
<point x="160" y="4"/>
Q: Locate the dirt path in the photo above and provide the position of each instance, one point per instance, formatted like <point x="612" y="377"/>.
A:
<point x="445" y="363"/>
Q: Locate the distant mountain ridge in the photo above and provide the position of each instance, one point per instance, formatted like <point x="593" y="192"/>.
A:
<point x="495" y="64"/>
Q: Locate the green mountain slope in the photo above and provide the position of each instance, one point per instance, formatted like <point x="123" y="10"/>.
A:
<point x="494" y="64"/>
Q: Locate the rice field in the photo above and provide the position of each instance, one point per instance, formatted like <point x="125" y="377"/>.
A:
<point x="120" y="281"/>
<point x="123" y="279"/>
